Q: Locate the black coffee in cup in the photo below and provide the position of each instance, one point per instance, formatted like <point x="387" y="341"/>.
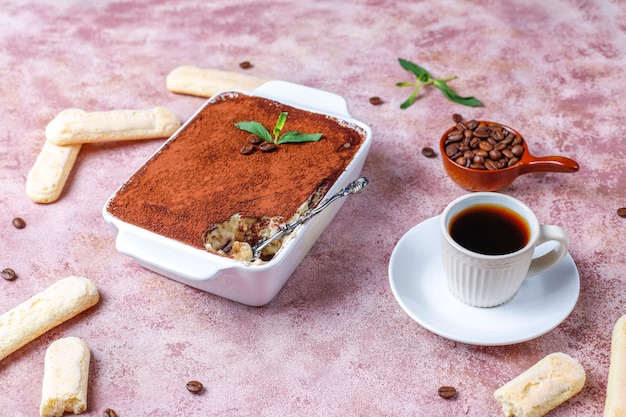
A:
<point x="489" y="229"/>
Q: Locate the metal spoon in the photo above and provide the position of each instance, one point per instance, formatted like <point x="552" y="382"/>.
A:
<point x="354" y="187"/>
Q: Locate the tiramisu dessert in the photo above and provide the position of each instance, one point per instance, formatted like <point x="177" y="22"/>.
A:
<point x="217" y="187"/>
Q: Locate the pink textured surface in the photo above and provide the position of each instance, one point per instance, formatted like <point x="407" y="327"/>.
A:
<point x="334" y="342"/>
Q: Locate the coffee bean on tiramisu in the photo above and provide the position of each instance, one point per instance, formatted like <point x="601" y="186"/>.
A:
<point x="375" y="101"/>
<point x="255" y="140"/>
<point x="621" y="211"/>
<point x="245" y="65"/>
<point x="247" y="149"/>
<point x="267" y="147"/>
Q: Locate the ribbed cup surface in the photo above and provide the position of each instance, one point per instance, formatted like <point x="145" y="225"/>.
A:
<point x="484" y="281"/>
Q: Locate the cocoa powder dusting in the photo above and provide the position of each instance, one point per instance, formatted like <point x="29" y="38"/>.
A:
<point x="200" y="177"/>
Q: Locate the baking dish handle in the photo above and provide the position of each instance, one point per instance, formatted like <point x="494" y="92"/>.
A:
<point x="166" y="257"/>
<point x="319" y="101"/>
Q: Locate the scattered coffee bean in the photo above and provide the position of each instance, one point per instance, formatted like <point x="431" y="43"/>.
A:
<point x="109" y="412"/>
<point x="245" y="65"/>
<point x="428" y="152"/>
<point x="8" y="274"/>
<point x="247" y="149"/>
<point x="483" y="145"/>
<point x="375" y="101"/>
<point x="447" y="392"/>
<point x="19" y="223"/>
<point x="267" y="147"/>
<point x="195" y="387"/>
<point x="621" y="211"/>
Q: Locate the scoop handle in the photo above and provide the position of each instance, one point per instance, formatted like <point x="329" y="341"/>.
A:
<point x="549" y="164"/>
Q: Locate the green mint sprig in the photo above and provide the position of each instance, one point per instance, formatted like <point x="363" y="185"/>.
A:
<point x="423" y="78"/>
<point x="258" y="129"/>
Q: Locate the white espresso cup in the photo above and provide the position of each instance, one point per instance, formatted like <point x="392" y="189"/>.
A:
<point x="488" y="242"/>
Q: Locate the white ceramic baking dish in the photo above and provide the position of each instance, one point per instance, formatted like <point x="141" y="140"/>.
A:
<point x="250" y="284"/>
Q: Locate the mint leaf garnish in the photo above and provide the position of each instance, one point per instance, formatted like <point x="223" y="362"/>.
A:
<point x="258" y="129"/>
<point x="423" y="78"/>
<point x="297" y="137"/>
<point x="255" y="128"/>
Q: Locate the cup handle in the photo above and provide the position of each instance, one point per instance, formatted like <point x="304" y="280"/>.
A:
<point x="549" y="233"/>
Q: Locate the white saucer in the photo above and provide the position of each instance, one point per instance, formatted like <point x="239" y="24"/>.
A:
<point x="418" y="283"/>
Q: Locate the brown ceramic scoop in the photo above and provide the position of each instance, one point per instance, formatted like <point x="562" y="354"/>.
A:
<point x="493" y="180"/>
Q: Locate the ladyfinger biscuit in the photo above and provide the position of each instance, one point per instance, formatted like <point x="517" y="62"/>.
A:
<point x="58" y="303"/>
<point x="202" y="82"/>
<point x="541" y="388"/>
<point x="73" y="126"/>
<point x="65" y="377"/>
<point x="47" y="177"/>
<point x="615" y="405"/>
